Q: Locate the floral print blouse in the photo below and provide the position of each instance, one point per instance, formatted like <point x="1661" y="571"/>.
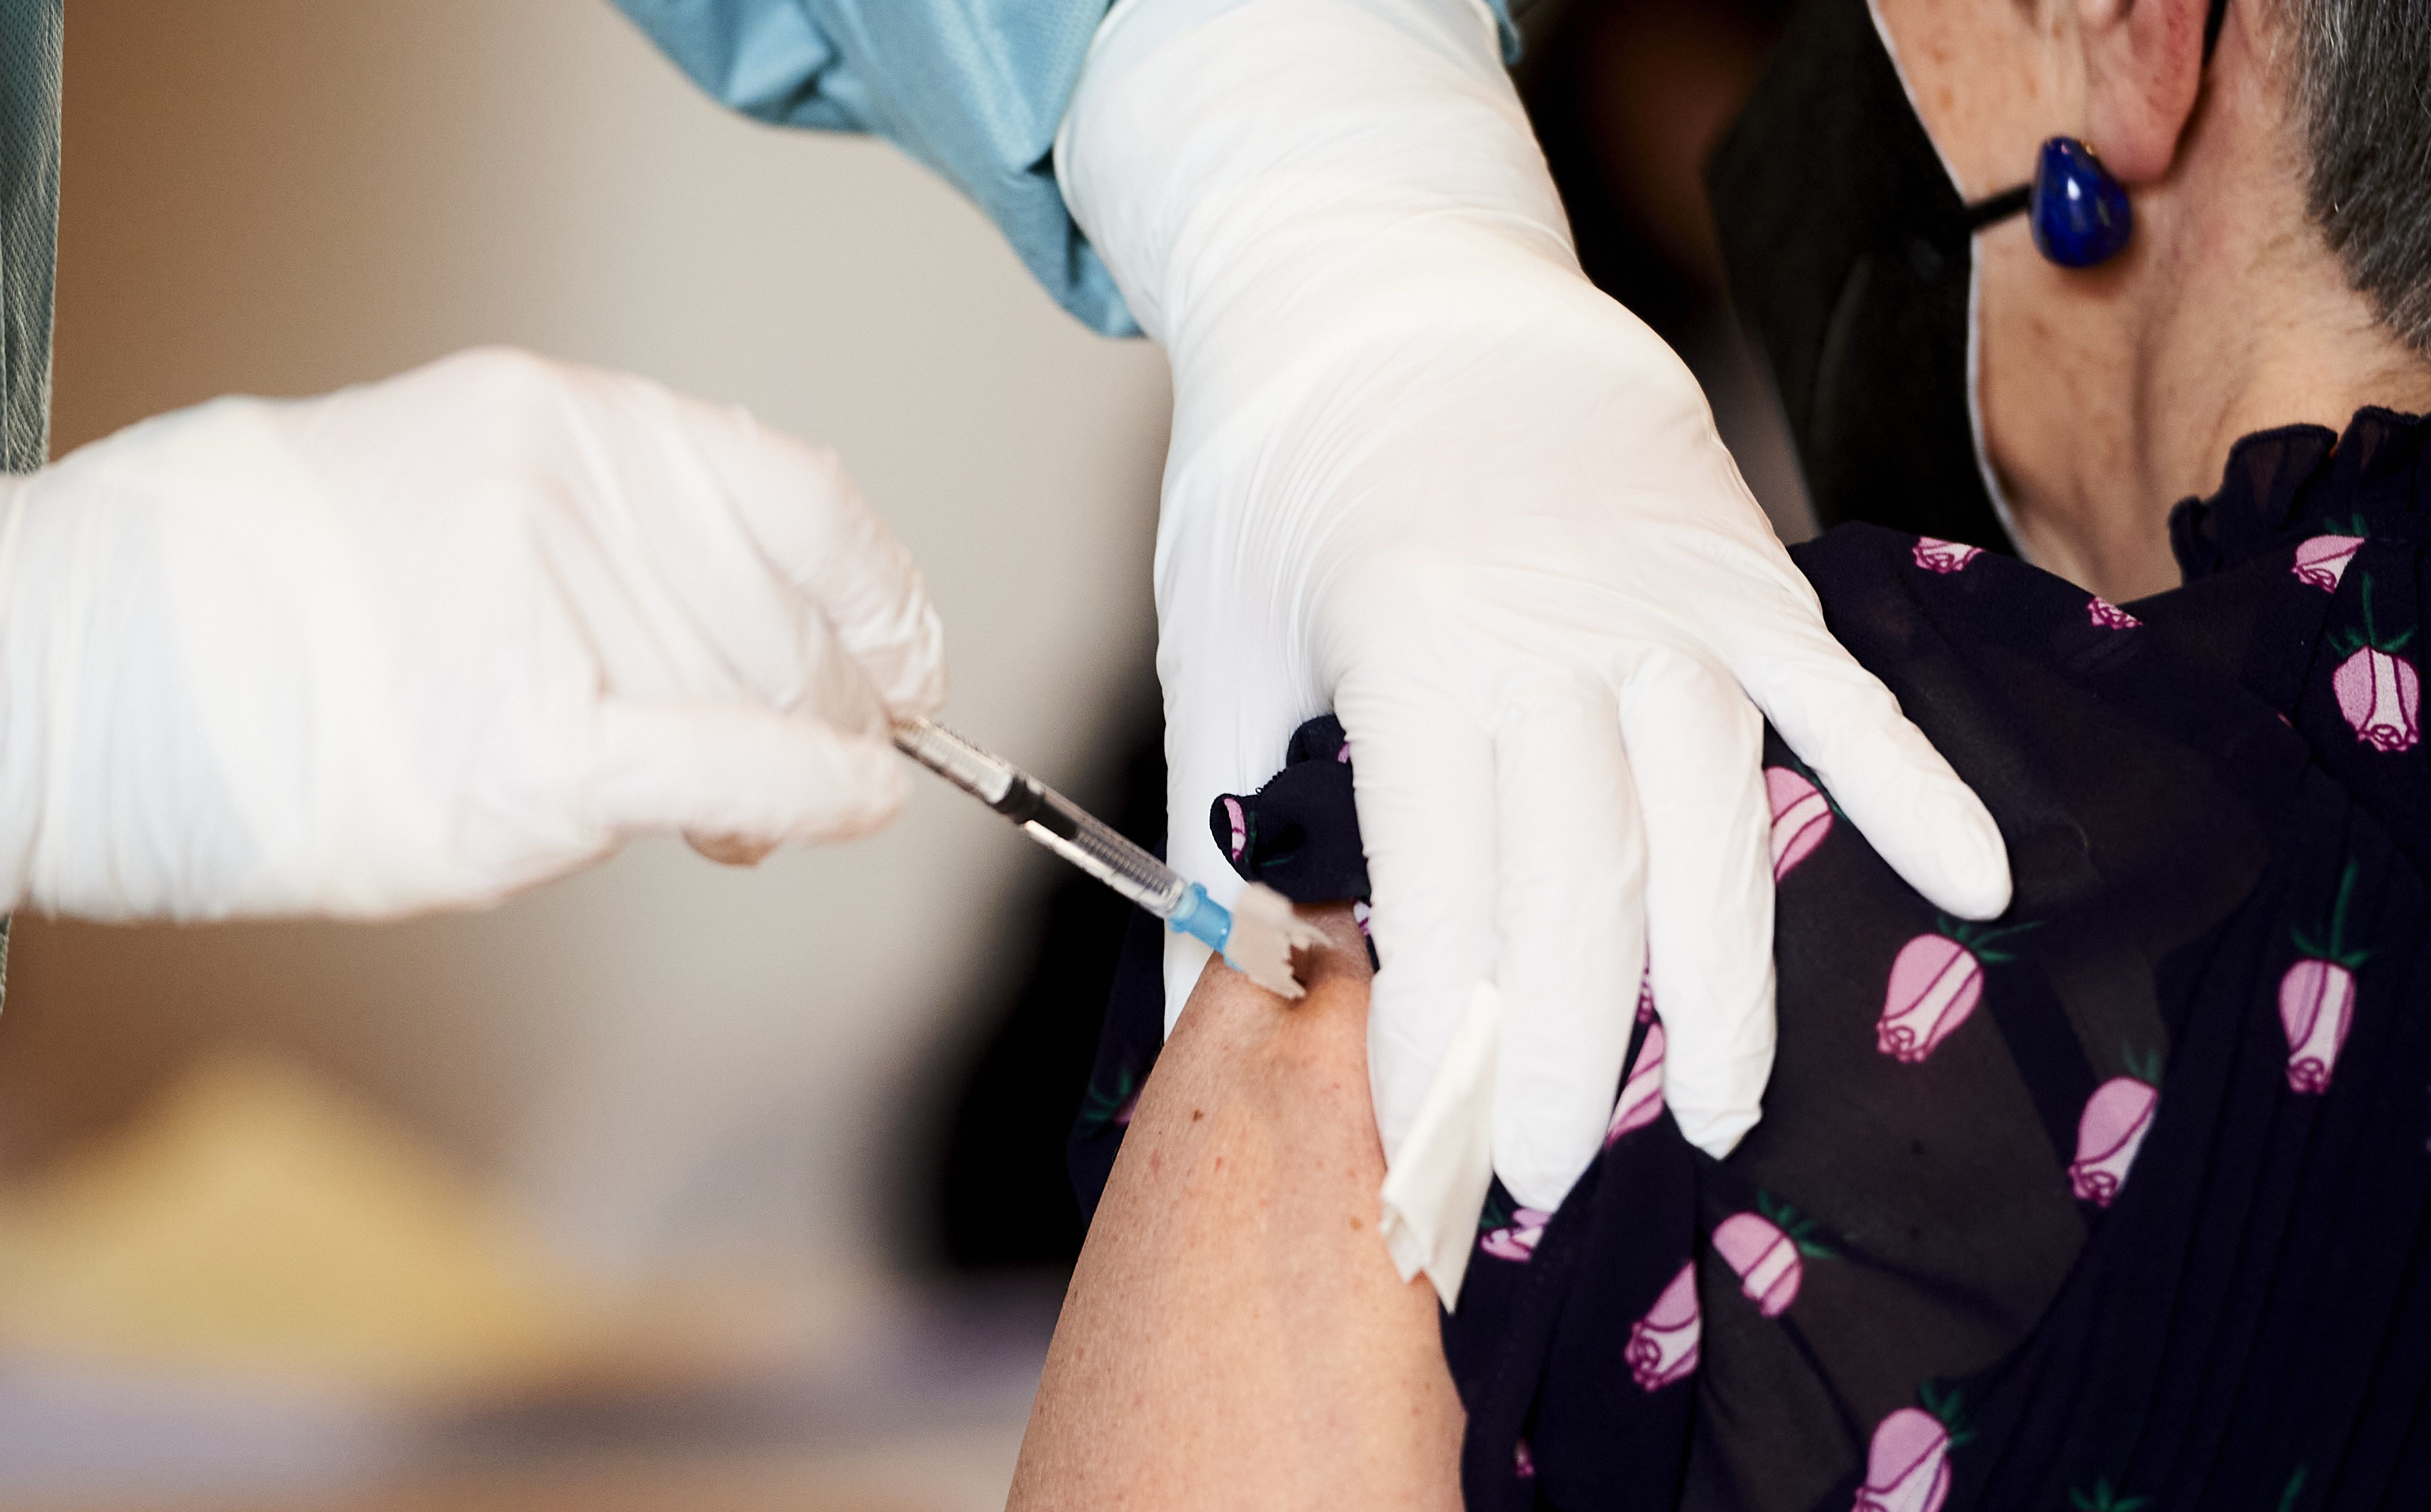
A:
<point x="2121" y="1200"/>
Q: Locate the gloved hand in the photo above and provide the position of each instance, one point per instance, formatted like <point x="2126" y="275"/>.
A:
<point x="1424" y="474"/>
<point x="422" y="643"/>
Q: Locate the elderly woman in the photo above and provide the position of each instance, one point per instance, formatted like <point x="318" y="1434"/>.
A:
<point x="2122" y="1200"/>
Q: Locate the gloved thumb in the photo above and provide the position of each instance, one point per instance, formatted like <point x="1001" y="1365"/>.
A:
<point x="744" y="777"/>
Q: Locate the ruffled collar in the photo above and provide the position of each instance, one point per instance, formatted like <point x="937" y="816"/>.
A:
<point x="2284" y="486"/>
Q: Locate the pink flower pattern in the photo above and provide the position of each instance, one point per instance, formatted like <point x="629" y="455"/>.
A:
<point x="2379" y="691"/>
<point x="2316" y="1008"/>
<point x="1907" y="1465"/>
<point x="1943" y="556"/>
<point x="1240" y="819"/>
<point x="2322" y="561"/>
<point x="1641" y="1096"/>
<point x="2108" y="615"/>
<point x="1801" y="816"/>
<point x="1769" y="1249"/>
<point x="2381" y="695"/>
<point x="1516" y="1241"/>
<point x="2317" y="996"/>
<point x="1935" y="982"/>
<point x="1662" y="1346"/>
<point x="2108" y="1133"/>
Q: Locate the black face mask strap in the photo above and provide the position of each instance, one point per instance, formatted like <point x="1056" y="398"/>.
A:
<point x="1998" y="208"/>
<point x="2010" y="202"/>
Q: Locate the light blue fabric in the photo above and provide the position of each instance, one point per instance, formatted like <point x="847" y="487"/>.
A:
<point x="973" y="88"/>
<point x="29" y="219"/>
<point x="29" y="222"/>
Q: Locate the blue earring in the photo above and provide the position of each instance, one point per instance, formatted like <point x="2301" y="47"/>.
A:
<point x="2080" y="214"/>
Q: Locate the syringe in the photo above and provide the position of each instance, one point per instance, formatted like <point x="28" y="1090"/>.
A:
<point x="1257" y="936"/>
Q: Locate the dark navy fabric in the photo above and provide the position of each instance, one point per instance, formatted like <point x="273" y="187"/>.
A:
<point x="2121" y="1200"/>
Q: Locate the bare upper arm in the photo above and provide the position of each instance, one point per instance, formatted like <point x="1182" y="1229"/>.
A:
<point x="1235" y="1334"/>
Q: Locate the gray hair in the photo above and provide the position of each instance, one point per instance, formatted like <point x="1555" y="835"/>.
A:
<point x="2363" y="90"/>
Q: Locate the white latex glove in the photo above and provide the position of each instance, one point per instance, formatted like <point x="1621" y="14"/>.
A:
<point x="422" y="643"/>
<point x="1425" y="475"/>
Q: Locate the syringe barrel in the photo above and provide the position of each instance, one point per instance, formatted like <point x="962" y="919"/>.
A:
<point x="1051" y="819"/>
<point x="987" y="777"/>
<point x="1062" y="827"/>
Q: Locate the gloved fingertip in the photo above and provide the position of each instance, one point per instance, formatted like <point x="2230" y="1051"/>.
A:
<point x="881" y="787"/>
<point x="729" y="849"/>
<point x="1717" y="1132"/>
<point x="1988" y="899"/>
<point x="1971" y="878"/>
<point x="1541" y="1177"/>
<point x="909" y="668"/>
<point x="921" y="697"/>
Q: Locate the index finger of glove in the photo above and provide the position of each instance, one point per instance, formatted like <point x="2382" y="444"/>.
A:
<point x="802" y="511"/>
<point x="1879" y="767"/>
<point x="737" y="771"/>
<point x="1424" y="785"/>
<point x="1571" y="919"/>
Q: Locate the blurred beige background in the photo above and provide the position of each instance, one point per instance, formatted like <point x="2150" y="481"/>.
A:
<point x="669" y="1068"/>
<point x="281" y="197"/>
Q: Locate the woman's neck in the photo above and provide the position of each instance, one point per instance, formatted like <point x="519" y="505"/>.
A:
<point x="2109" y="395"/>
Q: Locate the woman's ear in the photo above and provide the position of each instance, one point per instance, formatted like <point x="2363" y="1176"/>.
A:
<point x="2143" y="67"/>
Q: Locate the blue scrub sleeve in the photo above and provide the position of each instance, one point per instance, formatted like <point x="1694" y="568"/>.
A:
<point x="29" y="224"/>
<point x="29" y="218"/>
<point x="975" y="89"/>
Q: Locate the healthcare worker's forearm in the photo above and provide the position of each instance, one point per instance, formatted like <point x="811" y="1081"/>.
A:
<point x="972" y="88"/>
<point x="1297" y="165"/>
<point x="1289" y="196"/>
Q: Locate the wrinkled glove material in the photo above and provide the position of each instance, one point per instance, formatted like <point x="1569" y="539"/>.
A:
<point x="422" y="643"/>
<point x="1424" y="474"/>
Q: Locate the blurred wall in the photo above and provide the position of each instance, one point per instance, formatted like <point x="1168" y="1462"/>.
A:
<point x="665" y="1060"/>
